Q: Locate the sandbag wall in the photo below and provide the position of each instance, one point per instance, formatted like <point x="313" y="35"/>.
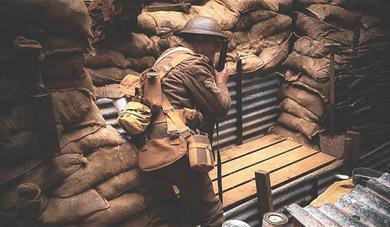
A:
<point x="91" y="178"/>
<point x="304" y="109"/>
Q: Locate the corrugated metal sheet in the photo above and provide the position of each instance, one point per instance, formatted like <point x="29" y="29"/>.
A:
<point x="365" y="206"/>
<point x="259" y="109"/>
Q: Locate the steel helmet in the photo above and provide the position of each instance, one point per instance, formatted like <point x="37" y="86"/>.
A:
<point x="202" y="25"/>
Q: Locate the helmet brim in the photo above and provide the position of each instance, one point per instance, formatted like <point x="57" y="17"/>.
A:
<point x="201" y="32"/>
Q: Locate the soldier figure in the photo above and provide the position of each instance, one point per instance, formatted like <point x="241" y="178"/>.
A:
<point x="200" y="93"/>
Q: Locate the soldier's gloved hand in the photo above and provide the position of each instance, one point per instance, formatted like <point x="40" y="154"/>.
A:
<point x="221" y="78"/>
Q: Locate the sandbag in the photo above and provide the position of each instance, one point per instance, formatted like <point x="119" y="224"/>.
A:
<point x="269" y="27"/>
<point x="143" y="219"/>
<point x="110" y="91"/>
<point x="222" y="15"/>
<point x="165" y="43"/>
<point x="120" y="209"/>
<point x="93" y="117"/>
<point x="18" y="91"/>
<point x="369" y="21"/>
<point x="316" y="68"/>
<point x="73" y="209"/>
<point x="306" y="99"/>
<point x="87" y="139"/>
<point x="15" y="119"/>
<point x="135" y="45"/>
<point x="267" y="59"/>
<point x="72" y="15"/>
<point x="289" y="134"/>
<point x="371" y="35"/>
<point x="21" y="146"/>
<point x="105" y="58"/>
<point x="151" y="22"/>
<point x="248" y="19"/>
<point x="335" y="15"/>
<point x="8" y="193"/>
<point x="118" y="184"/>
<point x="238" y="38"/>
<point x="31" y="202"/>
<point x="60" y="44"/>
<point x="243" y="6"/>
<point x="307" y="128"/>
<point x="309" y="2"/>
<point x="276" y="39"/>
<point x="140" y="64"/>
<point x="243" y="42"/>
<point x="103" y="163"/>
<point x="289" y="105"/>
<point x="71" y="105"/>
<point x="110" y="75"/>
<point x="273" y="56"/>
<point x="312" y="27"/>
<point x="311" y="48"/>
<point x="306" y="82"/>
<point x="85" y="81"/>
<point x="20" y="51"/>
<point x="63" y="66"/>
<point x="52" y="173"/>
<point x="46" y="175"/>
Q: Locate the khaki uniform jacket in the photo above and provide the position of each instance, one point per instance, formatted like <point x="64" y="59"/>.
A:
<point x="190" y="85"/>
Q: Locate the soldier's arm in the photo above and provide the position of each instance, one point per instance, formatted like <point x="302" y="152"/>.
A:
<point x="209" y="90"/>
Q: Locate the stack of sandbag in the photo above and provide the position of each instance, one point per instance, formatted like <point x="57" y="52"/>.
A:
<point x="120" y="57"/>
<point x="118" y="51"/>
<point x="258" y="34"/>
<point x="89" y="176"/>
<point x="305" y="92"/>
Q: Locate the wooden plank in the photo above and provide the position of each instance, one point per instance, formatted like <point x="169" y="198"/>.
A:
<point x="256" y="157"/>
<point x="249" y="147"/>
<point x="269" y="165"/>
<point x="293" y="171"/>
<point x="298" y="169"/>
<point x="302" y="216"/>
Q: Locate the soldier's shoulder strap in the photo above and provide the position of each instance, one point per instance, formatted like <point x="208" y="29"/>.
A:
<point x="177" y="55"/>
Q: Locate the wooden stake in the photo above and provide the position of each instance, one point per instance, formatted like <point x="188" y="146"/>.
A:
<point x="264" y="195"/>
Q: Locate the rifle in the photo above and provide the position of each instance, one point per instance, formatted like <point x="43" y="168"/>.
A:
<point x="222" y="55"/>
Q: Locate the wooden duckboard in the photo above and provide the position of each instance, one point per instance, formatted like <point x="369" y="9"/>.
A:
<point x="284" y="159"/>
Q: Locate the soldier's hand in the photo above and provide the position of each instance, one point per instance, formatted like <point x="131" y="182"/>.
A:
<point x="221" y="78"/>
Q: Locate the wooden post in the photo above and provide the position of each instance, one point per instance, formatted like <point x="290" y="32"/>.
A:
<point x="264" y="195"/>
<point x="355" y="136"/>
<point x="348" y="152"/>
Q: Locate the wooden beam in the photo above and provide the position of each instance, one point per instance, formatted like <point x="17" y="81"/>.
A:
<point x="355" y="136"/>
<point x="348" y="153"/>
<point x="264" y="194"/>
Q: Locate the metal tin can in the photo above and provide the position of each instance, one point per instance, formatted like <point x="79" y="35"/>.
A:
<point x="274" y="219"/>
<point x="235" y="223"/>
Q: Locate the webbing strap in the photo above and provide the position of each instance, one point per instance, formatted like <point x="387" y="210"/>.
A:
<point x="175" y="124"/>
<point x="173" y="63"/>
